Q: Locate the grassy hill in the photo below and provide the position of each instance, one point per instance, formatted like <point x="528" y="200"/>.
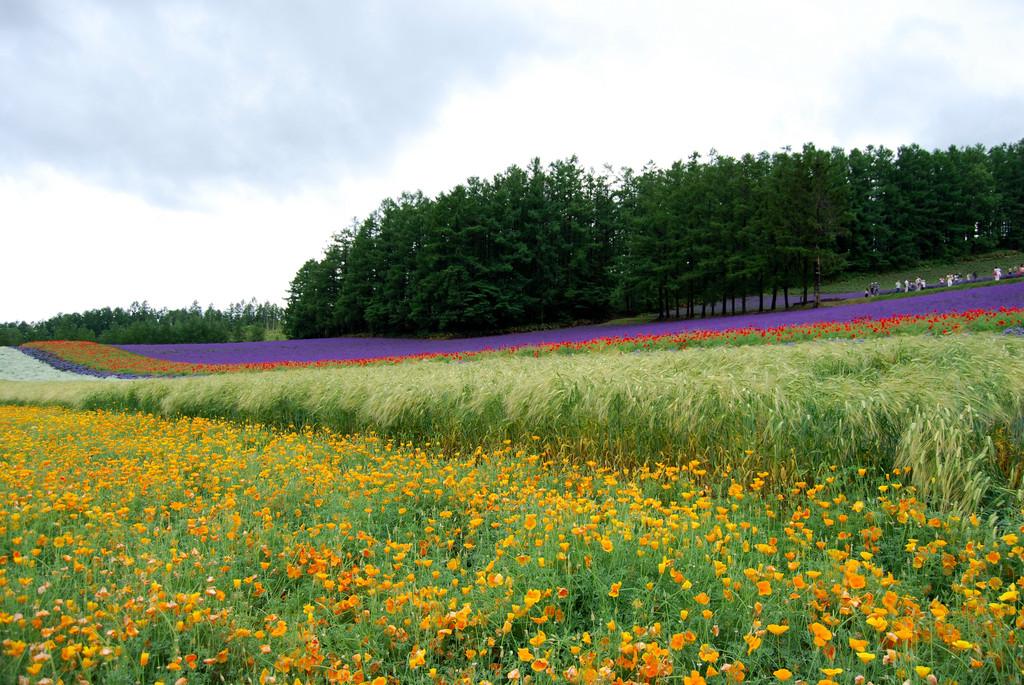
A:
<point x="983" y="265"/>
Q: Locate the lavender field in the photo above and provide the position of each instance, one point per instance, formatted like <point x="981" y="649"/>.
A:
<point x="940" y="302"/>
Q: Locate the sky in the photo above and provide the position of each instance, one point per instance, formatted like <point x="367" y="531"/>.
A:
<point x="172" y="152"/>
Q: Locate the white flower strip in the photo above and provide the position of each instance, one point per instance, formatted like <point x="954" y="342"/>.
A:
<point x="15" y="365"/>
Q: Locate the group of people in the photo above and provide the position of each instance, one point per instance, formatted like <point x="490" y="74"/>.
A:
<point x="919" y="283"/>
<point x="947" y="280"/>
<point x="998" y="273"/>
<point x="906" y="286"/>
<point x="953" y="279"/>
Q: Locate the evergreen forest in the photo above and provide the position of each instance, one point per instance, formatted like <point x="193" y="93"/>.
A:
<point x="549" y="245"/>
<point x="142" y="324"/>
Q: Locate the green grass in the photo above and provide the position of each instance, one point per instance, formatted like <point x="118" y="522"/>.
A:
<point x="925" y="402"/>
<point x="983" y="264"/>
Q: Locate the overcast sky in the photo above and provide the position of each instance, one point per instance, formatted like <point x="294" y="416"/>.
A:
<point x="180" y="151"/>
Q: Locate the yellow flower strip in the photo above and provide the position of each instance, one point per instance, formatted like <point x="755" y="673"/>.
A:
<point x="150" y="549"/>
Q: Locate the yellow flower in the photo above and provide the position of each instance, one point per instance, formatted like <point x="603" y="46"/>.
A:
<point x="694" y="678"/>
<point x="938" y="609"/>
<point x="614" y="592"/>
<point x="783" y="674"/>
<point x="877" y="622"/>
<point x="821" y="634"/>
<point x="707" y="653"/>
<point x="776" y="629"/>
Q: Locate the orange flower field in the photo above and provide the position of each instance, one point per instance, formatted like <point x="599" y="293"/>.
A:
<point x="136" y="549"/>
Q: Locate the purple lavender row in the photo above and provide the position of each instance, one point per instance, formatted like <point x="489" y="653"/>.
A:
<point x="942" y="301"/>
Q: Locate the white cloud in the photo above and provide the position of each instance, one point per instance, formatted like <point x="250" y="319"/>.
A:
<point x="78" y="246"/>
<point x="204" y="150"/>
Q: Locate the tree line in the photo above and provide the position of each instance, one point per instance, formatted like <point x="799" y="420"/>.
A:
<point x="547" y="245"/>
<point x="145" y="325"/>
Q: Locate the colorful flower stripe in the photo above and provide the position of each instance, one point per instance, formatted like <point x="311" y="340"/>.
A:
<point x="323" y="349"/>
<point x="104" y="360"/>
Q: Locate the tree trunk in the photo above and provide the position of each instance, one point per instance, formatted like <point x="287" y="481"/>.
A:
<point x="817" y="281"/>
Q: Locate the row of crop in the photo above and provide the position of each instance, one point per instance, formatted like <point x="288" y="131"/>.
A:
<point x="104" y="360"/>
<point x="950" y="406"/>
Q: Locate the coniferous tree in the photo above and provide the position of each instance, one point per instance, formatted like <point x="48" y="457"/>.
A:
<point x="1006" y="163"/>
<point x="550" y="244"/>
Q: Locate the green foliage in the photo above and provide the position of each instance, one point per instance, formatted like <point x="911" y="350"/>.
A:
<point x="142" y="324"/>
<point x="553" y="244"/>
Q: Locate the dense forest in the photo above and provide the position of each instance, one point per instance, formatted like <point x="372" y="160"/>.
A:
<point x="142" y="324"/>
<point x="549" y="245"/>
